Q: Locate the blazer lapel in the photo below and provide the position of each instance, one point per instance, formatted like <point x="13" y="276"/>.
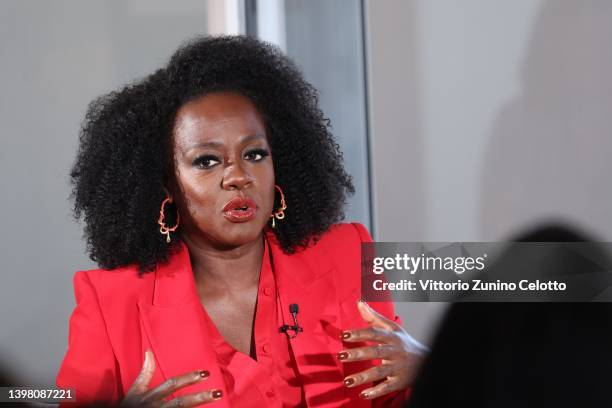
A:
<point x="175" y="326"/>
<point x="309" y="282"/>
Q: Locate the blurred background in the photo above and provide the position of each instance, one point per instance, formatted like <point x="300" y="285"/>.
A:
<point x="459" y="121"/>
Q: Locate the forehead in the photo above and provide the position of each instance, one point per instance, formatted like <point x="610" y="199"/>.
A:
<point x="223" y="117"/>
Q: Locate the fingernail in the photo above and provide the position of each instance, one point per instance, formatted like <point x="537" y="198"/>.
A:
<point x="204" y="373"/>
<point x="343" y="355"/>
<point x="349" y="381"/>
<point x="346" y="335"/>
<point x="216" y="394"/>
<point x="364" y="395"/>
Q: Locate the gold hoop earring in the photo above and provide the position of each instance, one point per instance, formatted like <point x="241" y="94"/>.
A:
<point x="280" y="213"/>
<point x="163" y="228"/>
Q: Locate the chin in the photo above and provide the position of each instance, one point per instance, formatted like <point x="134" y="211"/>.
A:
<point x="236" y="234"/>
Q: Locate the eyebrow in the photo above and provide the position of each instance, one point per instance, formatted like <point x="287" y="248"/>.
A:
<point x="215" y="144"/>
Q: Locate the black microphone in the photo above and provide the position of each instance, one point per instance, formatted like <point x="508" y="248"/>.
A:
<point x="296" y="328"/>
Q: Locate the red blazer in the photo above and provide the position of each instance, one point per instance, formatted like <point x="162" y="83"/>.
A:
<point x="119" y="315"/>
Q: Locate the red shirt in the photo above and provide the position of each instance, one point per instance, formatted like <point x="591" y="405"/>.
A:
<point x="272" y="380"/>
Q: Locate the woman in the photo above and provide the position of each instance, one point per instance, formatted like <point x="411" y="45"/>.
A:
<point x="210" y="192"/>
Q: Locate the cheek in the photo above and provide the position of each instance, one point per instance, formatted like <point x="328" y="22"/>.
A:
<point x="198" y="195"/>
<point x="268" y="185"/>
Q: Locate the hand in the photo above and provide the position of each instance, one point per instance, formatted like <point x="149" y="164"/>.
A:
<point x="139" y="394"/>
<point x="400" y="353"/>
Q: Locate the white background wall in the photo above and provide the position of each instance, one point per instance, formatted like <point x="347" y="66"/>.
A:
<point x="55" y="57"/>
<point x="488" y="117"/>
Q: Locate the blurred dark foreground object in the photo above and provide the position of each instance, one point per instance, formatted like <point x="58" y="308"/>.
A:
<point x="521" y="354"/>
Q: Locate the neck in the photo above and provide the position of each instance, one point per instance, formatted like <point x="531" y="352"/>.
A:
<point x="225" y="271"/>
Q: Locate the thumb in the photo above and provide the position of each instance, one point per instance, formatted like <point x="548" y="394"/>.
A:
<point x="373" y="318"/>
<point x="141" y="384"/>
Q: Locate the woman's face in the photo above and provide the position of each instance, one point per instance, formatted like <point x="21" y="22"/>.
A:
<point x="223" y="172"/>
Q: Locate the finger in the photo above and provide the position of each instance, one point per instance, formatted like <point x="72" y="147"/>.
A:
<point x="376" y="373"/>
<point x="192" y="400"/>
<point x="169" y="386"/>
<point x="141" y="384"/>
<point x="379" y="351"/>
<point x="370" y="334"/>
<point x="375" y="319"/>
<point x="385" y="387"/>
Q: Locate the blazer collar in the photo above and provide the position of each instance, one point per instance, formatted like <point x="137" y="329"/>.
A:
<point x="174" y="280"/>
<point x="307" y="278"/>
<point x="296" y="270"/>
<point x="175" y="328"/>
<point x="175" y="283"/>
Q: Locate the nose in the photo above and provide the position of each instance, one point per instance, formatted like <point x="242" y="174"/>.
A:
<point x="235" y="177"/>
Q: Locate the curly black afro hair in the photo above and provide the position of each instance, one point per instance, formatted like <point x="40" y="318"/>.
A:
<point x="124" y="163"/>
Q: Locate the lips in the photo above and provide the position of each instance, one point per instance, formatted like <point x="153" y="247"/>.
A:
<point x="240" y="209"/>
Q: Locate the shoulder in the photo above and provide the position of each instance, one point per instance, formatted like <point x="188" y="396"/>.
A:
<point x="340" y="247"/>
<point x="342" y="239"/>
<point x="112" y="286"/>
<point x="342" y="235"/>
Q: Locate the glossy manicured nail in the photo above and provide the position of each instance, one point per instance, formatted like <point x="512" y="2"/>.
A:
<point x="343" y="355"/>
<point x="216" y="394"/>
<point x="364" y="395"/>
<point x="203" y="373"/>
<point x="349" y="381"/>
<point x="346" y="335"/>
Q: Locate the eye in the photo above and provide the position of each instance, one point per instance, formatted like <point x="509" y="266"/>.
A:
<point x="206" y="161"/>
<point x="256" y="154"/>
